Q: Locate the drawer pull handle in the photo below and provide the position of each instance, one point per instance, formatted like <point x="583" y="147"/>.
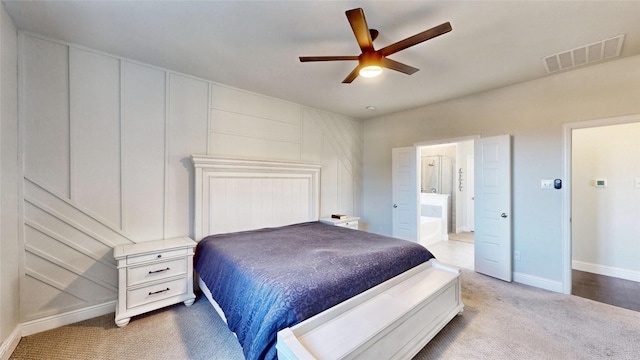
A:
<point x="158" y="292"/>
<point x="158" y="271"/>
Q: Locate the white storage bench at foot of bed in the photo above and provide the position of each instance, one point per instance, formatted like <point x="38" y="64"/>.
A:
<point x="393" y="320"/>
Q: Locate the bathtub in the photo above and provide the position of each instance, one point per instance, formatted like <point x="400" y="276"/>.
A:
<point x="430" y="230"/>
<point x="436" y="206"/>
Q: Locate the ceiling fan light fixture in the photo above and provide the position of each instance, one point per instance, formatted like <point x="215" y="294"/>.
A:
<point x="370" y="71"/>
<point x="370" y="60"/>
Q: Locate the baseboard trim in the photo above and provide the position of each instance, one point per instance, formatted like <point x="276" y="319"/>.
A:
<point x="606" y="270"/>
<point x="538" y="282"/>
<point x="55" y="321"/>
<point x="10" y="344"/>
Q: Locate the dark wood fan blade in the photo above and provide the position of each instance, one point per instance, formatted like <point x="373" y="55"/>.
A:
<point x="360" y="29"/>
<point x="416" y="39"/>
<point x="398" y="66"/>
<point x="352" y="75"/>
<point x="327" y="58"/>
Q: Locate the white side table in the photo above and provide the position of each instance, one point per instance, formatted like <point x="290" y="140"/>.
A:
<point x="152" y="275"/>
<point x="350" y="222"/>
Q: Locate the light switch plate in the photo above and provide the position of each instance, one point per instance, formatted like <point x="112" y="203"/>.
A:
<point x="546" y="184"/>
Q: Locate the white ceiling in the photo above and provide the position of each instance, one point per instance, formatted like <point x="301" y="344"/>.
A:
<point x="254" y="45"/>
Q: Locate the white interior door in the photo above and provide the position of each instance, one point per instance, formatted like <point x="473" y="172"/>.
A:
<point x="405" y="194"/>
<point x="492" y="237"/>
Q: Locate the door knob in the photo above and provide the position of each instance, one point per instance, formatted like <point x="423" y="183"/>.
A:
<point x="395" y="206"/>
<point x="503" y="215"/>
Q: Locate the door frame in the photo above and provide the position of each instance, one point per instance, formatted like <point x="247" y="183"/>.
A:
<point x="447" y="141"/>
<point x="567" y="132"/>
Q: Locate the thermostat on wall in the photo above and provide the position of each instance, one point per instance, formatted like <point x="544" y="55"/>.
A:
<point x="600" y="183"/>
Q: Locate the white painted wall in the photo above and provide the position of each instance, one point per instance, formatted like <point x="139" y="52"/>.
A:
<point x="107" y="145"/>
<point x="533" y="112"/>
<point x="605" y="221"/>
<point x="9" y="223"/>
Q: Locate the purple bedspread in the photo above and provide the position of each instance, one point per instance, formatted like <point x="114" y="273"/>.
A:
<point x="270" y="279"/>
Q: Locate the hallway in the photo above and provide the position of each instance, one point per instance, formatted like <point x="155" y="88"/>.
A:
<point x="606" y="289"/>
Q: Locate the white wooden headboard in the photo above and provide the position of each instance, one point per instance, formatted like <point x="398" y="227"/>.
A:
<point x="240" y="194"/>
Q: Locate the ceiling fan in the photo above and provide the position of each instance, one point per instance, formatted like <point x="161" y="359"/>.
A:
<point x="371" y="61"/>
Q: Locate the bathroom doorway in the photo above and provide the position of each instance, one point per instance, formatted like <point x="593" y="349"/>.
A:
<point x="446" y="192"/>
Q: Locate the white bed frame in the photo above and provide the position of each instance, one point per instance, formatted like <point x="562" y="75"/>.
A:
<point x="393" y="320"/>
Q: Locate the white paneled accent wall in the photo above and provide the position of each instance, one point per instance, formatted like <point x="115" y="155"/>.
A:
<point x="106" y="145"/>
<point x="251" y="125"/>
<point x="340" y="150"/>
<point x="94" y="121"/>
<point x="186" y="135"/>
<point x="143" y="150"/>
<point x="44" y="113"/>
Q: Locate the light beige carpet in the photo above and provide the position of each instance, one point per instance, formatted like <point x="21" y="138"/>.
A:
<point x="174" y="333"/>
<point x="500" y="321"/>
<point x="513" y="321"/>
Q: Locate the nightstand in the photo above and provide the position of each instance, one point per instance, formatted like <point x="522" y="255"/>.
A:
<point x="350" y="222"/>
<point x="152" y="275"/>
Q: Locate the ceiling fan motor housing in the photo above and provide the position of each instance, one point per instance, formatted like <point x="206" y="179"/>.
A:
<point x="370" y="58"/>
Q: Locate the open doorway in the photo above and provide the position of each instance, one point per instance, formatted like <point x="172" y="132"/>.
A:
<point x="604" y="167"/>
<point x="446" y="201"/>
<point x="492" y="248"/>
<point x="447" y="188"/>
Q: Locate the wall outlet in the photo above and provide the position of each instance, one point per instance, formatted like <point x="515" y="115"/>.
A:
<point x="516" y="255"/>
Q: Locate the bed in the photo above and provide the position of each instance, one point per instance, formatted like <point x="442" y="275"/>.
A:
<point x="387" y="297"/>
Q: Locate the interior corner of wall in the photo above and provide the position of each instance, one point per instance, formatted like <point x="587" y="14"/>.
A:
<point x="8" y="345"/>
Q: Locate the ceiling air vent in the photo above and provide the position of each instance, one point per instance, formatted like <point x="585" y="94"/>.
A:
<point x="584" y="55"/>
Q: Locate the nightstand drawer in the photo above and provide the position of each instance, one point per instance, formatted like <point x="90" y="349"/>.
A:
<point x="156" y="256"/>
<point x="349" y="224"/>
<point x="147" y="294"/>
<point x="156" y="271"/>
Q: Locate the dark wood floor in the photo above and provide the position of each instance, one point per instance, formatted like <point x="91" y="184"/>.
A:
<point x="606" y="289"/>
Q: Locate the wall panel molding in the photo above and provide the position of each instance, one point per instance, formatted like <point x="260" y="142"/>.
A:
<point x="348" y="150"/>
<point x="104" y="260"/>
<point x="67" y="266"/>
<point x="73" y="216"/>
